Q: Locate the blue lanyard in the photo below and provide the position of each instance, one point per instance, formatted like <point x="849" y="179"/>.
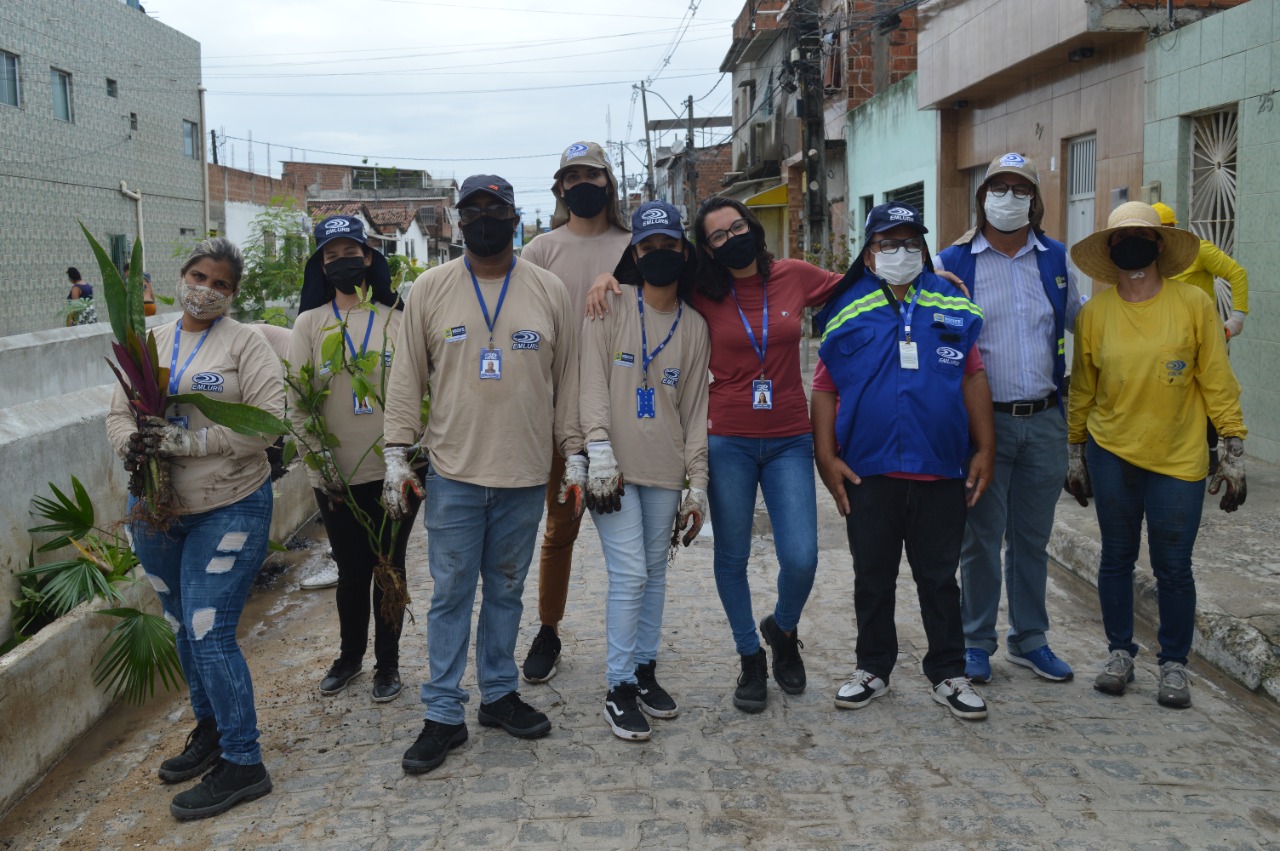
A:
<point x="645" y="357"/>
<point x="501" y="297"/>
<point x="911" y="308"/>
<point x="763" y="346"/>
<point x="175" y="374"/>
<point x="350" y="344"/>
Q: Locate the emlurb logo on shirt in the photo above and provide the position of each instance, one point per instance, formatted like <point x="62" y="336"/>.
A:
<point x="209" y="382"/>
<point x="671" y="377"/>
<point x="949" y="356"/>
<point x="526" y="340"/>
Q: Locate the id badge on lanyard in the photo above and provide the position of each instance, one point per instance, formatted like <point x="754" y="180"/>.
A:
<point x="761" y="388"/>
<point x="491" y="356"/>
<point x="491" y="363"/>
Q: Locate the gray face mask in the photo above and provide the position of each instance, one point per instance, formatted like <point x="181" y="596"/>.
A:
<point x="203" y="303"/>
<point x="1007" y="213"/>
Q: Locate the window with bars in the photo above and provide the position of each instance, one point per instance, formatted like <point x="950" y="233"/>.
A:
<point x="1214" y="142"/>
<point x="1082" y="180"/>
<point x="913" y="195"/>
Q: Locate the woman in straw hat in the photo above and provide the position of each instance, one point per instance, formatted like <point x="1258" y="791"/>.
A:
<point x="1150" y="363"/>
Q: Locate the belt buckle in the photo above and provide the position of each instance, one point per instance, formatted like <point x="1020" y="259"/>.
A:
<point x="1023" y="409"/>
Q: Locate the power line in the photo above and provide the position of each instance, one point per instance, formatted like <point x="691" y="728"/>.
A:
<point x="504" y="90"/>
<point x="370" y="156"/>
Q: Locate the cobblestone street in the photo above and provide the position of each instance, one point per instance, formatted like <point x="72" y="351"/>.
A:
<point x="1056" y="765"/>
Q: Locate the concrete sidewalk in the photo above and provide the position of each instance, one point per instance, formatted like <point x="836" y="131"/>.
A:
<point x="1237" y="572"/>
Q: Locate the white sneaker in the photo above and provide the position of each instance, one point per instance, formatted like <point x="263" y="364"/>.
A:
<point x="860" y="689"/>
<point x="325" y="577"/>
<point x="957" y="694"/>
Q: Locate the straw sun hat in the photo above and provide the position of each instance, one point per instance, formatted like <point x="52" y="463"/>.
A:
<point x="1092" y="254"/>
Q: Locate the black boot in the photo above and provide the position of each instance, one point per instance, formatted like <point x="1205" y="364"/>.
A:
<point x="221" y="789"/>
<point x="201" y="750"/>
<point x="753" y="683"/>
<point x="788" y="667"/>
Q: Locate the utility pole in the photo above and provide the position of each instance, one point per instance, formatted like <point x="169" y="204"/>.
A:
<point x="644" y="103"/>
<point x="690" y="168"/>
<point x="808" y="30"/>
<point x="626" y="193"/>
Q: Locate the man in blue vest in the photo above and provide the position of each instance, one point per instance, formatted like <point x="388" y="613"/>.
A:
<point x="905" y="400"/>
<point x="1020" y="279"/>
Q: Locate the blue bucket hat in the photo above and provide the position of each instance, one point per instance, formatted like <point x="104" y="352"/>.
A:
<point x="316" y="291"/>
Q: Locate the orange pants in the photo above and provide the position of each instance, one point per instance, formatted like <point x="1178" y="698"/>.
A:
<point x="557" y="550"/>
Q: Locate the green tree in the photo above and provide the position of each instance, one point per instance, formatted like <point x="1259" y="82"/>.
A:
<point x="274" y="257"/>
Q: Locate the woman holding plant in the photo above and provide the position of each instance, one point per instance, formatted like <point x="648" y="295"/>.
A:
<point x="340" y="346"/>
<point x="200" y="525"/>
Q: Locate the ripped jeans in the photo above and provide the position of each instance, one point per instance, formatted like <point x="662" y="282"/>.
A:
<point x="475" y="534"/>
<point x="202" y="568"/>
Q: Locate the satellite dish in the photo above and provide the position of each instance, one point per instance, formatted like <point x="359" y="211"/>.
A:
<point x="677" y="147"/>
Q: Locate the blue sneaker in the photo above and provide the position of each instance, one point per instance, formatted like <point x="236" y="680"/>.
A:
<point x="1043" y="662"/>
<point x="977" y="665"/>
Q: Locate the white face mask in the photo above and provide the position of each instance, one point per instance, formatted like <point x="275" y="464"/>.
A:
<point x="1008" y="213"/>
<point x="901" y="267"/>
<point x="203" y="303"/>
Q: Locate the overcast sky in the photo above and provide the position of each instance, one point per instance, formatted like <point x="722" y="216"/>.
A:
<point x="457" y="88"/>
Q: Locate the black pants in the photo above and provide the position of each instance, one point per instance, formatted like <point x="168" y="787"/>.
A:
<point x="929" y="518"/>
<point x="356" y="559"/>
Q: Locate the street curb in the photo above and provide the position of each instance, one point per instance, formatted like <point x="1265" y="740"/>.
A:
<point x="1230" y="644"/>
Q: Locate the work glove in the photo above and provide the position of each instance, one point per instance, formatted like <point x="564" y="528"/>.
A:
<point x="604" y="479"/>
<point x="1235" y="324"/>
<point x="330" y="478"/>
<point x="143" y="445"/>
<point x="399" y="480"/>
<point x="573" y="483"/>
<point x="1231" y="471"/>
<point x="1078" y="474"/>
<point x="171" y="441"/>
<point x="692" y="512"/>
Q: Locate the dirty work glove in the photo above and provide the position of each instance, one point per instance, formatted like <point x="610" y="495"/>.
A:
<point x="1235" y="324"/>
<point x="604" y="479"/>
<point x="1078" y="474"/>
<point x="1231" y="471"/>
<point x="143" y="445"/>
<point x="398" y="481"/>
<point x="692" y="511"/>
<point x="573" y="483"/>
<point x="330" y="478"/>
<point x="173" y="441"/>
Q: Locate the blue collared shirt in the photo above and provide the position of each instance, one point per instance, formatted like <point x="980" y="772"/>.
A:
<point x="1018" y="342"/>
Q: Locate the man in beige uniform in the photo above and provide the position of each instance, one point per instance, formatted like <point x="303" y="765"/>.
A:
<point x="491" y="338"/>
<point x="587" y="237"/>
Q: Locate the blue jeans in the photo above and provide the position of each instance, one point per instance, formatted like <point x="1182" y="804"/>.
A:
<point x="1015" y="514"/>
<point x="783" y="469"/>
<point x="475" y="534"/>
<point x="202" y="568"/>
<point x="636" y="541"/>
<point x="1123" y="496"/>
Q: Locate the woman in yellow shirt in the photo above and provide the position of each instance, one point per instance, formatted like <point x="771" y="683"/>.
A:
<point x="1150" y="363"/>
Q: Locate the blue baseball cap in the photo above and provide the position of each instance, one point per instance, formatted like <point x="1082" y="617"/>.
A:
<point x="655" y="217"/>
<point x="316" y="291"/>
<point x="336" y="227"/>
<point x="490" y="184"/>
<point x="890" y="215"/>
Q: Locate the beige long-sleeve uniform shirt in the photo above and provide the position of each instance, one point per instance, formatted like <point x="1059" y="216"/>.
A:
<point x="235" y="364"/>
<point x="357" y="433"/>
<point x="488" y="432"/>
<point x="577" y="260"/>
<point x="656" y="451"/>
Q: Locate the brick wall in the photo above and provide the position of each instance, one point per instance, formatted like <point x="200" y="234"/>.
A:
<point x="317" y="176"/>
<point x="875" y="61"/>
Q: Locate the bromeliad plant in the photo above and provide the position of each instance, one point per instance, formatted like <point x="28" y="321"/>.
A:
<point x="314" y="442"/>
<point x="146" y="387"/>
<point x="139" y="647"/>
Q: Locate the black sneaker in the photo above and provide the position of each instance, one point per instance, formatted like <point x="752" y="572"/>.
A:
<point x="386" y="685"/>
<point x="339" y="676"/>
<point x="221" y="789"/>
<point x="624" y="715"/>
<point x="753" y="683"/>
<point x="515" y="716"/>
<point x="433" y="745"/>
<point x="200" y="752"/>
<point x="540" y="664"/>
<point x="654" y="699"/>
<point x="788" y="668"/>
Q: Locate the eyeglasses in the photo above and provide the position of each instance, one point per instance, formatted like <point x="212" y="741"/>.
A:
<point x="718" y="238"/>
<point x="1020" y="190"/>
<point x="501" y="212"/>
<point x="890" y="246"/>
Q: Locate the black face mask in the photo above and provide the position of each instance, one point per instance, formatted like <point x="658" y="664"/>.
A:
<point x="662" y="267"/>
<point x="1134" y="252"/>
<point x="486" y="237"/>
<point x="738" y="252"/>
<point x="586" y="200"/>
<point x="345" y="274"/>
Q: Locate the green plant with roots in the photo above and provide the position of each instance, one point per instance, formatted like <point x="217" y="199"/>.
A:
<point x="141" y="646"/>
<point x="313" y="443"/>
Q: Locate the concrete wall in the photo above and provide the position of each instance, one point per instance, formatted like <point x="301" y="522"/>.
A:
<point x="892" y="144"/>
<point x="1230" y="59"/>
<point x="55" y="172"/>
